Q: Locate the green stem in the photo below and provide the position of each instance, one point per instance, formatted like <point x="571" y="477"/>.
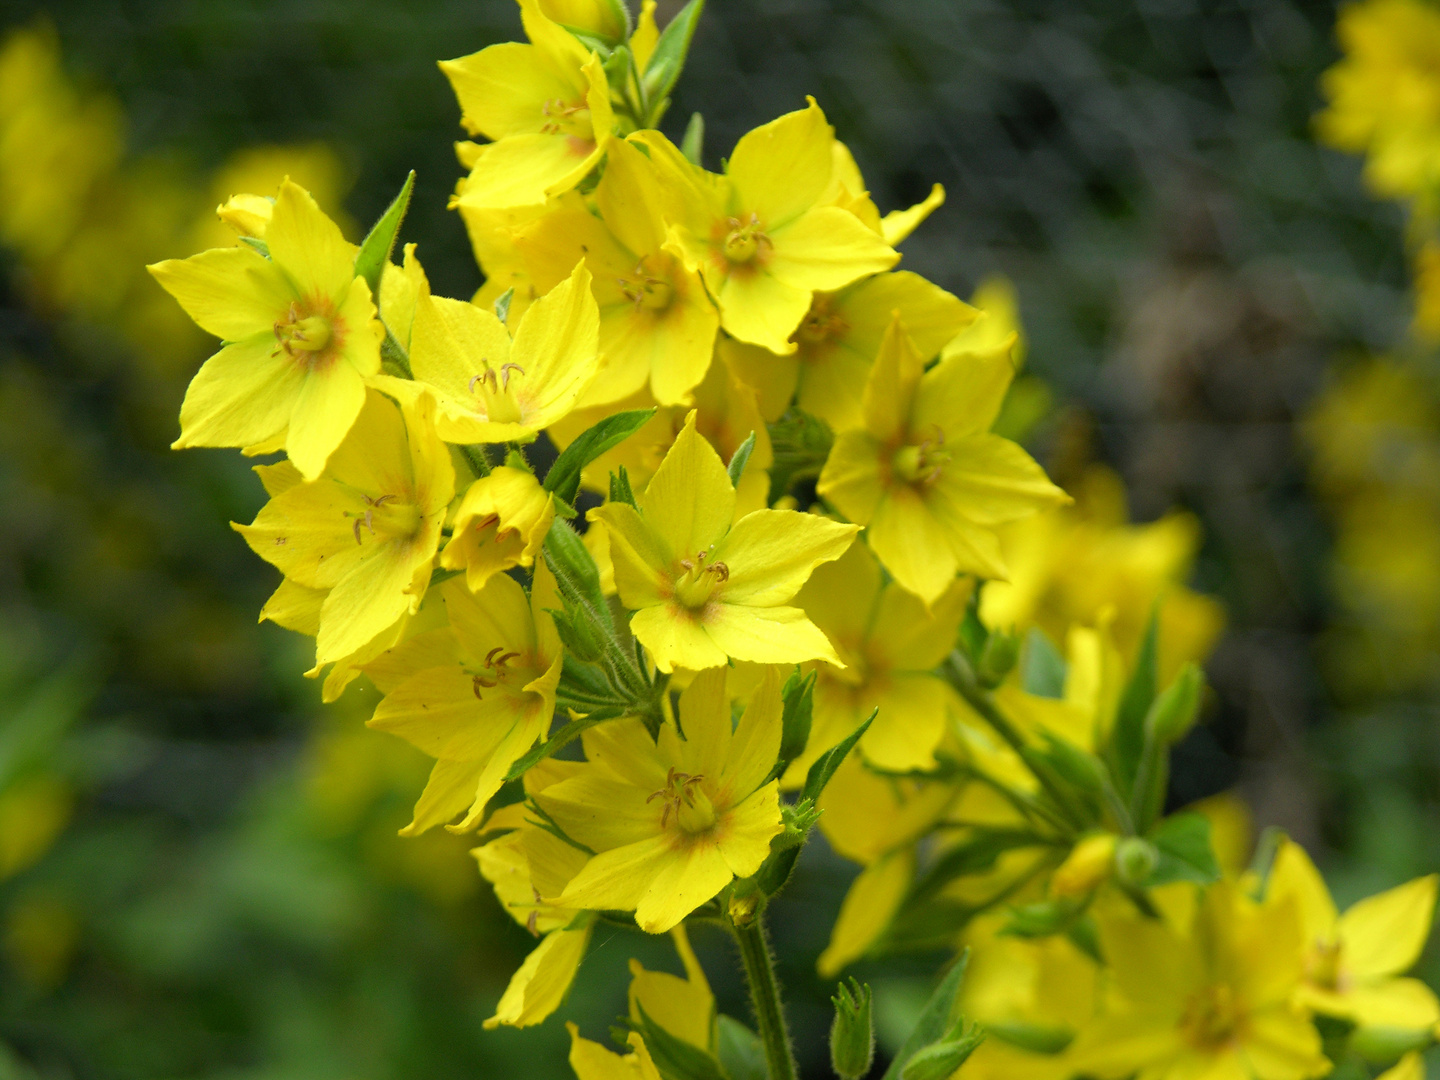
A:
<point x="478" y="459"/>
<point x="765" y="997"/>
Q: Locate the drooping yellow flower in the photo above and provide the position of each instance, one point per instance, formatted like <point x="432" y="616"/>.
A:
<point x="838" y="339"/>
<point x="523" y="865"/>
<point x="367" y="530"/>
<point x="925" y="475"/>
<point x="591" y="1061"/>
<point x="704" y="590"/>
<point x="475" y="696"/>
<point x="300" y="331"/>
<point x="890" y="645"/>
<point x="501" y="522"/>
<point x="673" y="820"/>
<point x="657" y="325"/>
<point x="545" y="105"/>
<point x="1353" y="961"/>
<point x="1212" y="998"/>
<point x="760" y="235"/>
<point x="488" y="388"/>
<point x="684" y="1007"/>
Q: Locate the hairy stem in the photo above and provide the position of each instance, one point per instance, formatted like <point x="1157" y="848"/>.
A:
<point x="765" y="996"/>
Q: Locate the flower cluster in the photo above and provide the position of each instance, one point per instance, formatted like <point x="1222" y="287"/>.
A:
<point x="778" y="573"/>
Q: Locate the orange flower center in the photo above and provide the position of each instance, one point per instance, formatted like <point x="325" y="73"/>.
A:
<point x="307" y="336"/>
<point x="820" y="324"/>
<point x="648" y="287"/>
<point x="745" y="238"/>
<point x="1213" y="1018"/>
<point x="699" y="578"/>
<point x="496" y="670"/>
<point x="684" y="802"/>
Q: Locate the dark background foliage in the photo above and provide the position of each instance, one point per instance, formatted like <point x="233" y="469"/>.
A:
<point x="1188" y="263"/>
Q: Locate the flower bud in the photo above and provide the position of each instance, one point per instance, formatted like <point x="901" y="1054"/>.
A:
<point x="997" y="658"/>
<point x="1174" y="711"/>
<point x="938" y="1060"/>
<point x="852" y="1035"/>
<point x="1135" y="860"/>
<point x="1087" y="866"/>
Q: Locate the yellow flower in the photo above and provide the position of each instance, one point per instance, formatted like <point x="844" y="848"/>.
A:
<point x="673" y="820"/>
<point x="1209" y="999"/>
<point x="683" y="1007"/>
<point x="523" y="865"/>
<point x="1384" y="97"/>
<point x="703" y="590"/>
<point x="760" y="235"/>
<point x="924" y="474"/>
<point x="1352" y="961"/>
<point x="1070" y="565"/>
<point x="475" y="696"/>
<point x="657" y="325"/>
<point x="890" y="645"/>
<point x="1086" y="867"/>
<point x="501" y="522"/>
<point x="368" y="529"/>
<point x="300" y="331"/>
<point x="546" y="105"/>
<point x="848" y="190"/>
<point x="488" y="388"/>
<point x="603" y="18"/>
<point x="836" y="344"/>
<point x="591" y="1061"/>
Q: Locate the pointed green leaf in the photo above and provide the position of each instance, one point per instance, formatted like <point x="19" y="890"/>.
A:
<point x="564" y="476"/>
<point x="561" y="739"/>
<point x="798" y="695"/>
<point x="668" y="59"/>
<point x="1127" y="735"/>
<point x="934" y="1019"/>
<point x="693" y="144"/>
<point x="620" y="487"/>
<point x="736" y="468"/>
<point x="826" y="764"/>
<point x="1042" y="671"/>
<point x="1183" y="841"/>
<point x="502" y="304"/>
<point x="675" y="1058"/>
<point x="739" y="1049"/>
<point x="376" y="249"/>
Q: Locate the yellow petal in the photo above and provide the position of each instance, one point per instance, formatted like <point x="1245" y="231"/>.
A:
<point x="827" y="248"/>
<point x="503" y="89"/>
<point x="308" y="246"/>
<point x="557" y="346"/>
<point x="675" y="638"/>
<point x="962" y="394"/>
<point x="705" y="718"/>
<point x="770" y="554"/>
<point x="851" y="476"/>
<point x="917" y="549"/>
<point x="323" y="413"/>
<point x="1383" y="934"/>
<point x="523" y="170"/>
<point x="773" y="377"/>
<point x="866" y="911"/>
<point x="910" y="724"/>
<point x="1409" y="1067"/>
<point x="1388" y="1003"/>
<point x="755" y="745"/>
<point x="907" y="636"/>
<point x="539" y="987"/>
<point x="685" y="880"/>
<point x="617" y="879"/>
<point x="1283" y="1043"/>
<point x="241" y="395"/>
<point x="890" y="391"/>
<point x="748" y="829"/>
<point x="781" y="169"/>
<point x="229" y="292"/>
<point x="689" y="502"/>
<point x="591" y="1061"/>
<point x="640" y="557"/>
<point x="899" y="224"/>
<point x="449" y="792"/>
<point x="294" y="607"/>
<point x="1293" y="874"/>
<point x="989" y="481"/>
<point x="840" y="597"/>
<point x="768" y="635"/>
<point x="646" y="35"/>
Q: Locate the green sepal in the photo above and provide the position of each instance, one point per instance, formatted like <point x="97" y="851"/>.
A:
<point x="799" y="443"/>
<point x="934" y="1018"/>
<point x="376" y="248"/>
<point x="1043" y="918"/>
<point x="259" y="245"/>
<point x="693" y="143"/>
<point x="1183" y="841"/>
<point x="1042" y="668"/>
<point x="502" y="305"/>
<point x="564" y="476"/>
<point x="1127" y="733"/>
<point x="736" y="468"/>
<point x="798" y="701"/>
<point x="561" y="739"/>
<point x="852" y="1032"/>
<point x="668" y="60"/>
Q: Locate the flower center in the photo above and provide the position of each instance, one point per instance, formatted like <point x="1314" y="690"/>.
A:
<point x="683" y="801"/>
<point x="699" y="579"/>
<point x="492" y="388"/>
<point x="820" y="324"/>
<point x="563" y="117"/>
<point x="1322" y="965"/>
<point x="387" y="517"/>
<point x="744" y="239"/>
<point x="923" y="463"/>
<point x="495" y="671"/>
<point x="1212" y="1018"/>
<point x="302" y="337"/>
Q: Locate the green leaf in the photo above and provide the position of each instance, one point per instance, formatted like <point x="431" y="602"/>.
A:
<point x="1127" y="736"/>
<point x="739" y="1049"/>
<point x="562" y="738"/>
<point x="1183" y="841"/>
<point x="564" y="476"/>
<point x="674" y="1057"/>
<point x="693" y="144"/>
<point x="798" y="696"/>
<point x="1042" y="671"/>
<point x="974" y="856"/>
<point x="736" y="468"/>
<point x="826" y="764"/>
<point x="668" y="59"/>
<point x="376" y="249"/>
<point x="502" y="304"/>
<point x="1042" y="918"/>
<point x="934" y="1018"/>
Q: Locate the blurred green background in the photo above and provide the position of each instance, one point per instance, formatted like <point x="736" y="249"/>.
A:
<point x="206" y="880"/>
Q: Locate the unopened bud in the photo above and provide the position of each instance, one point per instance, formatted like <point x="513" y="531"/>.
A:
<point x="997" y="658"/>
<point x="938" y="1060"/>
<point x="1174" y="711"/>
<point x="852" y="1035"/>
<point x="1087" y="866"/>
<point x="1135" y="860"/>
<point x="248" y="215"/>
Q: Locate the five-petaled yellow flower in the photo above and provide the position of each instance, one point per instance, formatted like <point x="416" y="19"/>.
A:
<point x="368" y="529"/>
<point x="300" y="337"/>
<point x="761" y="236"/>
<point x="673" y="820"/>
<point x="704" y="591"/>
<point x="925" y="474"/>
<point x="476" y="695"/>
